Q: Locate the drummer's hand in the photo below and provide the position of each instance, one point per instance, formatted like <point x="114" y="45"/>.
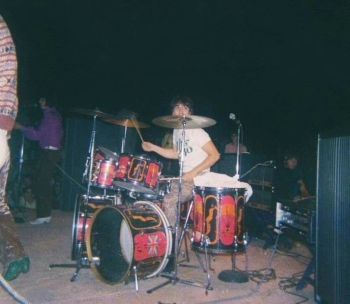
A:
<point x="147" y="146"/>
<point x="188" y="176"/>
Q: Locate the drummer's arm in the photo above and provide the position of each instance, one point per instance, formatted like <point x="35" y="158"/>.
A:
<point x="167" y="153"/>
<point x="212" y="158"/>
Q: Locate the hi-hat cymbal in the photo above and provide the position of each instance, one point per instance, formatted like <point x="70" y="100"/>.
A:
<point x="94" y="112"/>
<point x="126" y="122"/>
<point x="176" y="122"/>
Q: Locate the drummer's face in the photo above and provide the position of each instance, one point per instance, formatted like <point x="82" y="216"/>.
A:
<point x="181" y="109"/>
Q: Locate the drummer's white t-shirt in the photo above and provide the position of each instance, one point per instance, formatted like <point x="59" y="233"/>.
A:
<point x="195" y="139"/>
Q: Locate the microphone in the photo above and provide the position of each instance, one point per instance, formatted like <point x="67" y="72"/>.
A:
<point x="33" y="105"/>
<point x="233" y="117"/>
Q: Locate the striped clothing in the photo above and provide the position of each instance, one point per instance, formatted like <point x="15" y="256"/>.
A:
<point x="8" y="78"/>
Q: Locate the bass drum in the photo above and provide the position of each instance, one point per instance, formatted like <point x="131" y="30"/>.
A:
<point x="124" y="238"/>
<point x="95" y="203"/>
<point x="218" y="219"/>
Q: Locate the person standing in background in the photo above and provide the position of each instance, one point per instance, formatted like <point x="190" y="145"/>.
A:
<point x="290" y="183"/>
<point x="233" y="146"/>
<point x="12" y="253"/>
<point x="49" y="135"/>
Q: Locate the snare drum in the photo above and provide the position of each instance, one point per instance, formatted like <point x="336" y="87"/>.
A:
<point x="218" y="219"/>
<point x="104" y="167"/>
<point x="137" y="173"/>
<point x="128" y="237"/>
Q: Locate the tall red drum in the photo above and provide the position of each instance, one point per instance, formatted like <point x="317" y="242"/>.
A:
<point x="126" y="238"/>
<point x="218" y="225"/>
<point x="137" y="174"/>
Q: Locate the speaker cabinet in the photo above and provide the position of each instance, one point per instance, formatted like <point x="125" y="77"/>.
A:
<point x="263" y="198"/>
<point x="333" y="218"/>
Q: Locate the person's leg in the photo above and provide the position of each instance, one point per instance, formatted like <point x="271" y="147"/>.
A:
<point x="170" y="202"/>
<point x="42" y="183"/>
<point x="171" y="211"/>
<point x="12" y="254"/>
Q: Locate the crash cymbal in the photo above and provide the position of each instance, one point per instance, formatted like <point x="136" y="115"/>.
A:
<point x="126" y="122"/>
<point x="176" y="122"/>
<point x="94" y="112"/>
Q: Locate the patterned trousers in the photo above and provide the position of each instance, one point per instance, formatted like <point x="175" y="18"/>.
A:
<point x="10" y="245"/>
<point x="170" y="204"/>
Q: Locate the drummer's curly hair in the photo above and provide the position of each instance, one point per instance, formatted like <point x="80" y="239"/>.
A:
<point x="186" y="101"/>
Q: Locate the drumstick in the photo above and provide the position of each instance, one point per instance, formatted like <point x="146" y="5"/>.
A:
<point x="134" y="121"/>
<point x="168" y="178"/>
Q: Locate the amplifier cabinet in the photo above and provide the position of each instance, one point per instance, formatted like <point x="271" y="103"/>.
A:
<point x="263" y="196"/>
<point x="299" y="219"/>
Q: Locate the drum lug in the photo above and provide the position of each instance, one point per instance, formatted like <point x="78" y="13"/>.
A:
<point x="95" y="260"/>
<point x="134" y="270"/>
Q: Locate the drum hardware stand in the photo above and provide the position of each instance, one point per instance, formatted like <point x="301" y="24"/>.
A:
<point x="124" y="140"/>
<point x="232" y="275"/>
<point x="185" y="236"/>
<point x="83" y="262"/>
<point x="238" y="143"/>
<point x="184" y="233"/>
<point x="308" y="271"/>
<point x="173" y="277"/>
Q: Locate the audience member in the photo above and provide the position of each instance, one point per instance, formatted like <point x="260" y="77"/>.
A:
<point x="233" y="146"/>
<point x="49" y="135"/>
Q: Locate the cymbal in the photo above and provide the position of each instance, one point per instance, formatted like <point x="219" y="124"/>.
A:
<point x="126" y="122"/>
<point x="94" y="112"/>
<point x="176" y="122"/>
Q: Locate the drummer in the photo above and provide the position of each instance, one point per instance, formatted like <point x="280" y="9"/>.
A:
<point x="200" y="154"/>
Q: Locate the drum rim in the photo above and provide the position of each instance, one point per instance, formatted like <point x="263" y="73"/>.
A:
<point x="143" y="157"/>
<point x="221" y="188"/>
<point x="89" y="251"/>
<point x="100" y="148"/>
<point x="167" y="234"/>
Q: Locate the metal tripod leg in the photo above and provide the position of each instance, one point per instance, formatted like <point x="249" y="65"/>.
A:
<point x="185" y="233"/>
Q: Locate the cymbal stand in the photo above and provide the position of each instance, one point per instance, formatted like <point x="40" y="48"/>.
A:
<point x="185" y="231"/>
<point x="124" y="140"/>
<point x="184" y="234"/>
<point x="79" y="263"/>
<point x="173" y="277"/>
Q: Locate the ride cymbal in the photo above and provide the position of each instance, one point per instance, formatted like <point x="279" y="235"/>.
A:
<point x="191" y="121"/>
<point x="126" y="122"/>
<point x="94" y="112"/>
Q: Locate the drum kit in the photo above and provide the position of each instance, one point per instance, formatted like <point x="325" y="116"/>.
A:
<point x="125" y="241"/>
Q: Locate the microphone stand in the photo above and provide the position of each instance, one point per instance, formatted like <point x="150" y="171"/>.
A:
<point x="239" y="126"/>
<point x="173" y="278"/>
<point x="232" y="275"/>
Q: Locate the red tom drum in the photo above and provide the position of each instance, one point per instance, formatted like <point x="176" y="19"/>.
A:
<point x="104" y="167"/>
<point x="137" y="174"/>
